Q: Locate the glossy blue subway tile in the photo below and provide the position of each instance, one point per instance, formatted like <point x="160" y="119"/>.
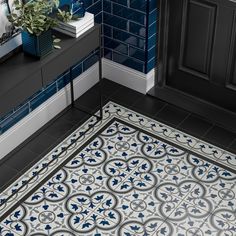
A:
<point x="122" y="2"/>
<point x="140" y="5"/>
<point x="43" y="96"/>
<point x="98" y="18"/>
<point x="14" y="118"/>
<point x="152" y="17"/>
<point x="129" y="38"/>
<point x="152" y="41"/>
<point x="91" y="60"/>
<point x="77" y="70"/>
<point x="115" y="45"/>
<point x="107" y="53"/>
<point x="115" y="21"/>
<point x="107" y="30"/>
<point x="152" y="4"/>
<point x="88" y="3"/>
<point x="137" y="29"/>
<point x="152" y="29"/>
<point x="151" y="64"/>
<point x="63" y="80"/>
<point x="96" y="8"/>
<point x="129" y="14"/>
<point x="137" y="53"/>
<point x="129" y="62"/>
<point x="107" y="6"/>
<point x="151" y="53"/>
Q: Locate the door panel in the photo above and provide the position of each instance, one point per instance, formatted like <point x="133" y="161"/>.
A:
<point x="201" y="50"/>
<point x="197" y="37"/>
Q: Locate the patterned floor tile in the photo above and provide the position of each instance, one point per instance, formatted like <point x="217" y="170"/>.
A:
<point x="135" y="177"/>
<point x="228" y="159"/>
<point x="217" y="226"/>
<point x="183" y="139"/>
<point x="208" y="150"/>
<point x="186" y="219"/>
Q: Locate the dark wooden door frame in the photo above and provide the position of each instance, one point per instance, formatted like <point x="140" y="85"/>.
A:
<point x="213" y="113"/>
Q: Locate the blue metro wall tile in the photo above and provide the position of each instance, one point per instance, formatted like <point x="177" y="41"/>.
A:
<point x="129" y="38"/>
<point x="127" y="61"/>
<point x="151" y="64"/>
<point x="137" y="29"/>
<point x="115" y="21"/>
<point x="77" y="70"/>
<point x="152" y="29"/>
<point x="151" y="53"/>
<point x="98" y="18"/>
<point x="14" y="118"/>
<point x="43" y="96"/>
<point x="122" y="2"/>
<point x="107" y="6"/>
<point x="63" y="80"/>
<point x="152" y="41"/>
<point x="137" y="53"/>
<point x="115" y="45"/>
<point x="107" y="30"/>
<point x="152" y="5"/>
<point x="96" y="8"/>
<point x="88" y="3"/>
<point x="140" y="5"/>
<point x="91" y="60"/>
<point x="107" y="53"/>
<point x="129" y="14"/>
<point x="152" y="17"/>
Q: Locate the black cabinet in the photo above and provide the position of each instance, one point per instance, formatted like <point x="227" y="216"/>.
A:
<point x="21" y="76"/>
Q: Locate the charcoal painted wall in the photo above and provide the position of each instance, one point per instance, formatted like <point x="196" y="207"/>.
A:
<point x="129" y="38"/>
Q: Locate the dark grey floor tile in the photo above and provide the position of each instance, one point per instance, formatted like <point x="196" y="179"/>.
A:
<point x="148" y="105"/>
<point x="75" y="116"/>
<point x="41" y="143"/>
<point x="232" y="146"/>
<point x="171" y="115"/>
<point x="22" y="159"/>
<point x="126" y="97"/>
<point x="195" y="125"/>
<point x="59" y="128"/>
<point x="219" y="136"/>
<point x="6" y="175"/>
<point x="108" y="87"/>
<point x="90" y="101"/>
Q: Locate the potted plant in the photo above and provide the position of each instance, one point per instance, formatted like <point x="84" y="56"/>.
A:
<point x="34" y="18"/>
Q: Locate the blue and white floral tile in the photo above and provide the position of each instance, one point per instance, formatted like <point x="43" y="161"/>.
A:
<point x="131" y="174"/>
<point x="136" y="205"/>
<point x="208" y="150"/>
<point x="186" y="219"/>
<point x="5" y="231"/>
<point x="228" y="159"/>
<point x="218" y="226"/>
<point x="183" y="139"/>
<point x="84" y="179"/>
<point x="150" y="227"/>
<point x="157" y="128"/>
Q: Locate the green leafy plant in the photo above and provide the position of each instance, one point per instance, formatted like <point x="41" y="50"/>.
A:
<point x="65" y="16"/>
<point x="34" y="16"/>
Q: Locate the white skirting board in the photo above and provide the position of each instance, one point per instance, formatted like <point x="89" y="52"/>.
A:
<point x="45" y="112"/>
<point x="128" y="77"/>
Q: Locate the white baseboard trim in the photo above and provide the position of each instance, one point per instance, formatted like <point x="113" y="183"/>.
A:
<point x="128" y="77"/>
<point x="45" y="112"/>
